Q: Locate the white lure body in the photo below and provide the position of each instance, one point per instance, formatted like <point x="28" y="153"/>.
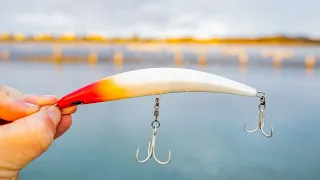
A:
<point x="156" y="81"/>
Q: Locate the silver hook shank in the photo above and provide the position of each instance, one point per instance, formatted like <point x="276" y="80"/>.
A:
<point x="152" y="145"/>
<point x="261" y="121"/>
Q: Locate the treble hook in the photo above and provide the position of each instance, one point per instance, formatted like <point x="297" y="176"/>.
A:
<point x="261" y="106"/>
<point x="151" y="148"/>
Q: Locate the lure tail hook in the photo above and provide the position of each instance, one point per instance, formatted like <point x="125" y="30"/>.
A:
<point x="261" y="121"/>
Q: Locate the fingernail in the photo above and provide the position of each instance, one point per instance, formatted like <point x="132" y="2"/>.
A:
<point x="55" y="114"/>
<point x="33" y="107"/>
<point x="50" y="96"/>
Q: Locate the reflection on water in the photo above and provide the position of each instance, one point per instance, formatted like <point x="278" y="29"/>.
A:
<point x="203" y="131"/>
<point x="276" y="57"/>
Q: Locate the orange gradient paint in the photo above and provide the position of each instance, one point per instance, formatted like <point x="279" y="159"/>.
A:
<point x="100" y="91"/>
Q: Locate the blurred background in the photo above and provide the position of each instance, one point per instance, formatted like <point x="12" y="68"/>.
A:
<point x="55" y="47"/>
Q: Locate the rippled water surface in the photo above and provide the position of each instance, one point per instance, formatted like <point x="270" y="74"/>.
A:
<point x="203" y="131"/>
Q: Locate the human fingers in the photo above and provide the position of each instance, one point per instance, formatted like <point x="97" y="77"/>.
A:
<point x="27" y="138"/>
<point x="64" y="124"/>
<point x="10" y="90"/>
<point x="69" y="110"/>
<point x="12" y="108"/>
<point x="40" y="100"/>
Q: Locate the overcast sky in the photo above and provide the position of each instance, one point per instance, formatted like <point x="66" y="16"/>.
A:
<point x="201" y="18"/>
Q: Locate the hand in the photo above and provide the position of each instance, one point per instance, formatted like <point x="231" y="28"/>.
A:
<point x="32" y="122"/>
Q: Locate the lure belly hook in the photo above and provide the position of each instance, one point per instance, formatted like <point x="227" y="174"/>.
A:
<point x="151" y="147"/>
<point x="158" y="81"/>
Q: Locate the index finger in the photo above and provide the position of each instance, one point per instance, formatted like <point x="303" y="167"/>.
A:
<point x="12" y="108"/>
<point x="40" y="100"/>
<point x="43" y="100"/>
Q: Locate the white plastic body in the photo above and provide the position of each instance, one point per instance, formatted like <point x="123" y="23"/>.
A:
<point x="157" y="81"/>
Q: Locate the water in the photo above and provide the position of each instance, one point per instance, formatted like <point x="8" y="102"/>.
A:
<point x="203" y="131"/>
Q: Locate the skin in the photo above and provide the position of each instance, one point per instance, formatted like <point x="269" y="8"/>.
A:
<point x="29" y="124"/>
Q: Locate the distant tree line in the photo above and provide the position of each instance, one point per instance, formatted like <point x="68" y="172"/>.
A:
<point x="281" y="39"/>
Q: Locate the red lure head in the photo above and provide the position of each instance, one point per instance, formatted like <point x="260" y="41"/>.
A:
<point x="99" y="91"/>
<point x="85" y="95"/>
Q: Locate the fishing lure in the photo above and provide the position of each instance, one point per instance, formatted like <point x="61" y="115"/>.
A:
<point x="158" y="81"/>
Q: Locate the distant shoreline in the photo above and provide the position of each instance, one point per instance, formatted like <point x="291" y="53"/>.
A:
<point x="166" y="43"/>
<point x="271" y="41"/>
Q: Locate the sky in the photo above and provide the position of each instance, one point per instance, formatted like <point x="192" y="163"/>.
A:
<point x="162" y="18"/>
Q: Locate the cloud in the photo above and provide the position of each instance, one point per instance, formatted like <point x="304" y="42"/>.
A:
<point x="42" y="19"/>
<point x="202" y="18"/>
<point x="189" y="24"/>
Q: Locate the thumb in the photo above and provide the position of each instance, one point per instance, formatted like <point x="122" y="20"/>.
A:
<point x="25" y="139"/>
